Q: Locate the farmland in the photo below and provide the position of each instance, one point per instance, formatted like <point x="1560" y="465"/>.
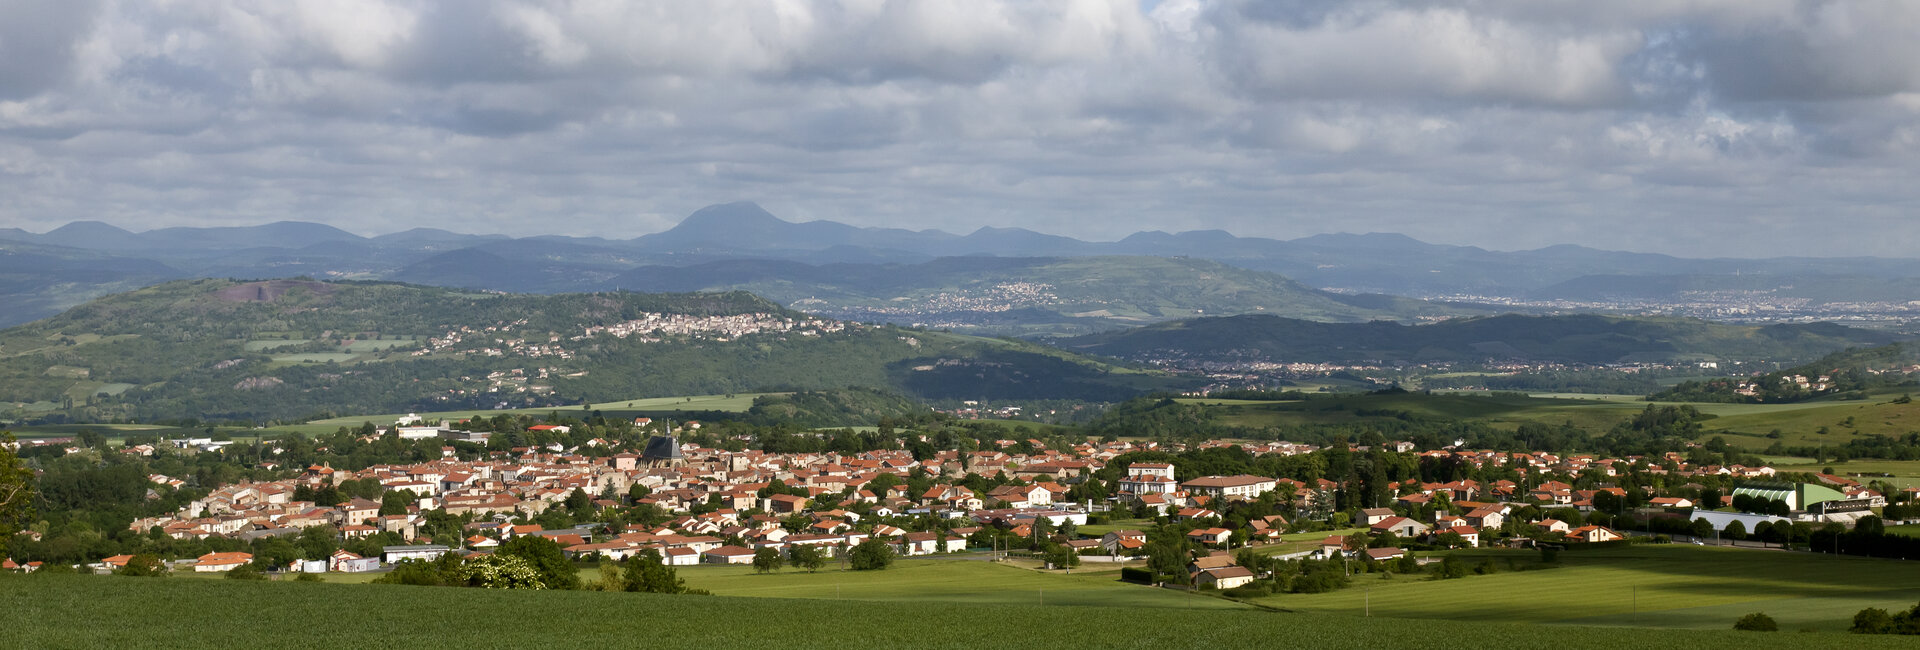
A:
<point x="46" y="611"/>
<point x="1679" y="586"/>
<point x="1743" y="425"/>
<point x="948" y="581"/>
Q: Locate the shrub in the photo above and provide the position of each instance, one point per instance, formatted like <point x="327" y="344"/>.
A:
<point x="308" y="577"/>
<point x="1135" y="574"/>
<point x="246" y="571"/>
<point x="144" y="566"/>
<point x="1756" y="622"/>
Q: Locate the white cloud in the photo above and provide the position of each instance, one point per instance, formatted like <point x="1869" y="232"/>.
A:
<point x="1460" y="121"/>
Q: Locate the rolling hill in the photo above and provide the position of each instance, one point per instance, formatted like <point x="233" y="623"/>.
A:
<point x="1579" y="339"/>
<point x="286" y="349"/>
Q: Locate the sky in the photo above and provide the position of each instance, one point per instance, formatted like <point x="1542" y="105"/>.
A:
<point x="1739" y="128"/>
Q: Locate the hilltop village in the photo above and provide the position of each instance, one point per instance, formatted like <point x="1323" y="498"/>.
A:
<point x="688" y="505"/>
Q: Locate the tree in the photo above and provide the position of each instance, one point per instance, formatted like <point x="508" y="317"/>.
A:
<point x="1059" y="556"/>
<point x="1756" y="622"/>
<point x="16" y="494"/>
<point x="577" y="500"/>
<point x="248" y="571"/>
<point x="806" y="556"/>
<point x="544" y="555"/>
<point x="766" y="559"/>
<point x="499" y="571"/>
<point x="144" y="566"/>
<point x="394" y="502"/>
<point x="872" y="555"/>
<point x="1735" y="530"/>
<point x="646" y="573"/>
<point x="1872" y="620"/>
<point x="317" y="542"/>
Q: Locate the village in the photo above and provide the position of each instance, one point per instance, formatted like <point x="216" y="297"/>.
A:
<point x="712" y="506"/>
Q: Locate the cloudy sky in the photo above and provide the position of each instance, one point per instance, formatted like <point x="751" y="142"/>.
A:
<point x="1694" y="127"/>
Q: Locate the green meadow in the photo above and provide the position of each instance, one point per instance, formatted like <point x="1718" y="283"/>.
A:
<point x="1673" y="586"/>
<point x="116" y="612"/>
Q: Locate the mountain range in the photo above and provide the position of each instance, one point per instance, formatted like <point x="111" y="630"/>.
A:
<point x="740" y="245"/>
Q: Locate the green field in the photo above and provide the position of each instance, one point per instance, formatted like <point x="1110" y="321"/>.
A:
<point x="949" y="581"/>
<point x="115" y="612"/>
<point x="1679" y="586"/>
<point x="1742" y="425"/>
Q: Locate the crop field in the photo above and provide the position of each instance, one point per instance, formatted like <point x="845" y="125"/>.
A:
<point x="1679" y="586"/>
<point x="948" y="580"/>
<point x="1800" y="424"/>
<point x="115" y="612"/>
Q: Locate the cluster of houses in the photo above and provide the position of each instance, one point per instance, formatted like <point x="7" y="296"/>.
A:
<point x="833" y="490"/>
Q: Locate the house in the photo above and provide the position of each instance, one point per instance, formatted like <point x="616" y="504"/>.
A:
<point x="1194" y="513"/>
<point x="1371" y="516"/>
<point x="1018" y="496"/>
<point x="1401" y="526"/>
<point x="1671" y="502"/>
<point x="920" y="544"/>
<point x="1148" y="478"/>
<point x="729" y="555"/>
<point x="218" y="562"/>
<point x="1226" y="577"/>
<point x="681" y="557"/>
<point x="1123" y="542"/>
<point x="346" y="561"/>
<point x="1553" y="525"/>
<point x="1333" y="545"/>
<point x="1240" y="487"/>
<point x="1592" y="534"/>
<point x="1384" y="554"/>
<point x="1211" y="536"/>
<point x="1486" y="517"/>
<point x="1466" y="533"/>
<point x="422" y="552"/>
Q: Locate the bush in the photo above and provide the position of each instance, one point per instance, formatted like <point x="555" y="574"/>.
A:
<point x="308" y="577"/>
<point x="1135" y="574"/>
<point x="871" y="555"/>
<point x="144" y="566"/>
<point x="246" y="571"/>
<point x="1756" y="622"/>
<point x="1253" y="589"/>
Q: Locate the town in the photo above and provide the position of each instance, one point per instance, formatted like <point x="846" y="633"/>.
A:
<point x="648" y="492"/>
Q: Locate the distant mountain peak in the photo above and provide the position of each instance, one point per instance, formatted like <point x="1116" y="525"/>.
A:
<point x="87" y="228"/>
<point x="738" y="214"/>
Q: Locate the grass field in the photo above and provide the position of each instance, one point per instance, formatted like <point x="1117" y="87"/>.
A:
<point x="115" y="612"/>
<point x="1677" y="586"/>
<point x="949" y="581"/>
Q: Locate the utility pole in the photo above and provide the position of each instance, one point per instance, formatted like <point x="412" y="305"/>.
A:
<point x="1369" y="601"/>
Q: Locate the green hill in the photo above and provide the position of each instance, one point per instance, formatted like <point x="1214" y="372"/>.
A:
<point x="281" y="349"/>
<point x="1584" y="339"/>
<point x="1848" y="373"/>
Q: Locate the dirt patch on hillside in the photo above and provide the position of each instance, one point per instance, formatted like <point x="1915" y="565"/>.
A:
<point x="271" y="290"/>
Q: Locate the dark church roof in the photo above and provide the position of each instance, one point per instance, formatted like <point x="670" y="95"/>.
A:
<point x="662" y="448"/>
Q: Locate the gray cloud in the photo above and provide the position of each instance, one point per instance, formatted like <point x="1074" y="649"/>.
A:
<point x="1711" y="127"/>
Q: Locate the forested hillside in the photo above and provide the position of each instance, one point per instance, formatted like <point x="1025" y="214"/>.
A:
<point x="283" y="349"/>
<point x="1584" y="339"/>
